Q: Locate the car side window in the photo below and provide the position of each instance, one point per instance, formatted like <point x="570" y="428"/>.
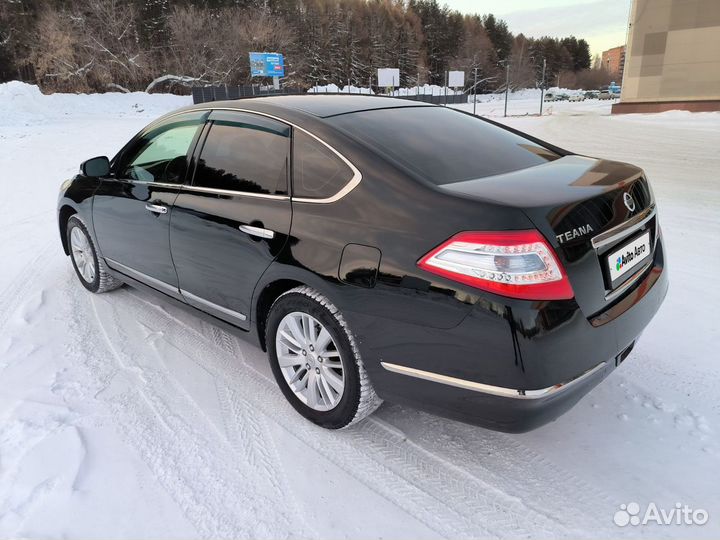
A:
<point x="318" y="172"/>
<point x="160" y="155"/>
<point x="247" y="154"/>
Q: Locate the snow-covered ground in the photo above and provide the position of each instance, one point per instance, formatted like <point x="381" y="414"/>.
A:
<point x="124" y="417"/>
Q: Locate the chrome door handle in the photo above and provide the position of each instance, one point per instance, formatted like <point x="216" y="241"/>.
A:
<point x="156" y="208"/>
<point x="257" y="231"/>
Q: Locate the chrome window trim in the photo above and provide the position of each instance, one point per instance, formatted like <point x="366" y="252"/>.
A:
<point x="187" y="187"/>
<point x="347" y="188"/>
<point x="149" y="280"/>
<point x="624" y="229"/>
<point x="488" y="388"/>
<point x="145" y="182"/>
<point x="210" y="305"/>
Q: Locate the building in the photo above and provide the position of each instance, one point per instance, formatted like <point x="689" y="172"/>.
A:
<point x="613" y="60"/>
<point x="673" y="57"/>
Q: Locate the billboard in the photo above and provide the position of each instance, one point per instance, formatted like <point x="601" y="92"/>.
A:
<point x="456" y="79"/>
<point x="388" y="77"/>
<point x="267" y="64"/>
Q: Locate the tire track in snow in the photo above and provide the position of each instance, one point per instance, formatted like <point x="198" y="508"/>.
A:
<point x="227" y="502"/>
<point x="418" y="482"/>
<point x="462" y="447"/>
<point x="512" y="462"/>
<point x="250" y="437"/>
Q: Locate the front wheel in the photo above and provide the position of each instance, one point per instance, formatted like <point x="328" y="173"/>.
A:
<point x="90" y="268"/>
<point x="316" y="362"/>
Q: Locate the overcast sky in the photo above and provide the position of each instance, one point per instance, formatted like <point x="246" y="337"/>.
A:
<point x="603" y="24"/>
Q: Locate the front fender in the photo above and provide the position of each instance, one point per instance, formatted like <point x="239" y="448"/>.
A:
<point x="76" y="197"/>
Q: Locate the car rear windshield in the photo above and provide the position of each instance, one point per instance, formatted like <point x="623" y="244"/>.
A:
<point x="443" y="145"/>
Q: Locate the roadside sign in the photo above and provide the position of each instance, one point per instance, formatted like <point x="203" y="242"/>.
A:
<point x="456" y="79"/>
<point x="388" y="77"/>
<point x="267" y="64"/>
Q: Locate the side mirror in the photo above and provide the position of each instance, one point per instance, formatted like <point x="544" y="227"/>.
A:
<point x="96" y="167"/>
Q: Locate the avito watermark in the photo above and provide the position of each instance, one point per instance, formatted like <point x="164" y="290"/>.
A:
<point x="680" y="514"/>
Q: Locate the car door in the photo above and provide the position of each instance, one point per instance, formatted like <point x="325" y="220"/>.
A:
<point x="131" y="208"/>
<point x="231" y="222"/>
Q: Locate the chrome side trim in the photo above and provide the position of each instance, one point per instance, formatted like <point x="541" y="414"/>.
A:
<point x="149" y="280"/>
<point x="193" y="300"/>
<point x="205" y="304"/>
<point x="624" y="229"/>
<point x="488" y="388"/>
<point x="352" y="183"/>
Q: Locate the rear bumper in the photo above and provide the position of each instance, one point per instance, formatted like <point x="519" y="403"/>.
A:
<point x="509" y="365"/>
<point x="516" y="414"/>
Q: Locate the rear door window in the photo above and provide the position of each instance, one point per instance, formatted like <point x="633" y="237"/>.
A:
<point x="245" y="153"/>
<point x="318" y="172"/>
<point x="442" y="145"/>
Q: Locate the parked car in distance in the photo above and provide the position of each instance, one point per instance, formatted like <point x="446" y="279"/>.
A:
<point x="605" y="94"/>
<point x="592" y="94"/>
<point x="577" y="97"/>
<point x="549" y="97"/>
<point x="380" y="249"/>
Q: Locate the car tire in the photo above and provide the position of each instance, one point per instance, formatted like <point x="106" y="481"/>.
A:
<point x="90" y="269"/>
<point x="296" y="343"/>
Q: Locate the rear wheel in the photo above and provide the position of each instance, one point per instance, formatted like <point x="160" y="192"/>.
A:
<point x="90" y="269"/>
<point x="316" y="362"/>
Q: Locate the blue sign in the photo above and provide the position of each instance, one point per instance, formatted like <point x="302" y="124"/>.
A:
<point x="267" y="65"/>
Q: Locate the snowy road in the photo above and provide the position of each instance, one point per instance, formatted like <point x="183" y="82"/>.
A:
<point x="124" y="417"/>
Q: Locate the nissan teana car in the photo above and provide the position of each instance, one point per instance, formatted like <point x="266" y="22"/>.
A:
<point x="381" y="249"/>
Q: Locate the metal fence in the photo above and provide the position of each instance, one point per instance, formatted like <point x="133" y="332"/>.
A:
<point x="437" y="100"/>
<point x="204" y="94"/>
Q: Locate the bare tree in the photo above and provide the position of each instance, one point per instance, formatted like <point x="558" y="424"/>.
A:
<point x="158" y="45"/>
<point x="93" y="44"/>
<point x="213" y="49"/>
<point x="110" y="41"/>
<point x="55" y="53"/>
<point x="522" y="64"/>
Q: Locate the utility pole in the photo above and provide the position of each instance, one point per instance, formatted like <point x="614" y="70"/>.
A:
<point x="507" y="84"/>
<point x="446" y="83"/>
<point x="542" y="86"/>
<point x="475" y="92"/>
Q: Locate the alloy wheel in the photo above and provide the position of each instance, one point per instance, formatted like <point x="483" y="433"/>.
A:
<point x="310" y="361"/>
<point x="82" y="254"/>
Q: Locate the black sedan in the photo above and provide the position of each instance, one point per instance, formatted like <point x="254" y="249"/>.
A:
<point x="381" y="249"/>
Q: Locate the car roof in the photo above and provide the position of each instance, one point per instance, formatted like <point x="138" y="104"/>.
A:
<point x="318" y="105"/>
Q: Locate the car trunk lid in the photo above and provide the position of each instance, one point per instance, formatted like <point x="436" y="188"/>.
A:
<point x="588" y="209"/>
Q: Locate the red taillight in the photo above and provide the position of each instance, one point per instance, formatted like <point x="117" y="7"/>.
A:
<point x="520" y="264"/>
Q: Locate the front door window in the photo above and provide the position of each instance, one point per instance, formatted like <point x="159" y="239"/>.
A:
<point x="161" y="155"/>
